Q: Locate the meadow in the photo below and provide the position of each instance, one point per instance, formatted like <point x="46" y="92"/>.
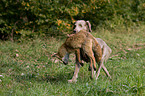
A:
<point x="27" y="69"/>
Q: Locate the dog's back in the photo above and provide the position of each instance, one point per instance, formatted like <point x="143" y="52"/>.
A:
<point x="106" y="50"/>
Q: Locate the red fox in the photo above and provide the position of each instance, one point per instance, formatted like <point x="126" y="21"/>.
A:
<point x="81" y="40"/>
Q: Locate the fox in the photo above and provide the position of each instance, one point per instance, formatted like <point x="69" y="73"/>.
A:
<point x="85" y="41"/>
<point x="106" y="51"/>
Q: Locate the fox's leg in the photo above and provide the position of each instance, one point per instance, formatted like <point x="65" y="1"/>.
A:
<point x="98" y="55"/>
<point x="92" y="68"/>
<point x="93" y="62"/>
<point x="89" y="53"/>
<point x="75" y="76"/>
<point x="88" y="50"/>
<point x="79" y="57"/>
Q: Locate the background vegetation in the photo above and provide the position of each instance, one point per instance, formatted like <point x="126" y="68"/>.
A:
<point x="39" y="27"/>
<point x="28" y="18"/>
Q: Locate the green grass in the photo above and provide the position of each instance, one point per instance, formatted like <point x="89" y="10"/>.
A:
<point x="28" y="70"/>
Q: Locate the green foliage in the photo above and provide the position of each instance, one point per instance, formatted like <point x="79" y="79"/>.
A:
<point x="55" y="17"/>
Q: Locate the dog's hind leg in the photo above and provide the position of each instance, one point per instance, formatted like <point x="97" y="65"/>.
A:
<point x="106" y="71"/>
<point x="105" y="56"/>
<point x="100" y="60"/>
<point x="100" y="66"/>
<point x="106" y="53"/>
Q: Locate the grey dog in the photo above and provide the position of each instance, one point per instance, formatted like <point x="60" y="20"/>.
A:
<point x="106" y="51"/>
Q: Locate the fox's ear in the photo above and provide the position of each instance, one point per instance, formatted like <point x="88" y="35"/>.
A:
<point x="54" y="55"/>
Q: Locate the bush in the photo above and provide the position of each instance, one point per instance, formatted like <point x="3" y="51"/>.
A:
<point x="53" y="18"/>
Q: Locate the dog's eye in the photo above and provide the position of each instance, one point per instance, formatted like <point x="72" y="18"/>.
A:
<point x="80" y="25"/>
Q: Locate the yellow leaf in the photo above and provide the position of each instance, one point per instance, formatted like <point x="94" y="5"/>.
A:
<point x="28" y="4"/>
<point x="16" y="32"/>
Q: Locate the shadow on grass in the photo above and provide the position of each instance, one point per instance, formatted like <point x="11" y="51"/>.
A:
<point x="58" y="77"/>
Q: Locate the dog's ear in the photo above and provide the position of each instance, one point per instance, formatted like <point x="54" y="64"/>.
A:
<point x="73" y="23"/>
<point x="89" y="25"/>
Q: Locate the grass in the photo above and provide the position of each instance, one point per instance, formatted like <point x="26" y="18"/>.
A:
<point x="26" y="68"/>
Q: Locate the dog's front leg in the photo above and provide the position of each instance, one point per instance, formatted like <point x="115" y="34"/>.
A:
<point x="75" y="76"/>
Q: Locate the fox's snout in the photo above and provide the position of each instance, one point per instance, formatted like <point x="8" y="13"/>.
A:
<point x="65" y="63"/>
<point x="53" y="55"/>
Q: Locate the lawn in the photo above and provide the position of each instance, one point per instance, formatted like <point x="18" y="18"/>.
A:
<point x="27" y="69"/>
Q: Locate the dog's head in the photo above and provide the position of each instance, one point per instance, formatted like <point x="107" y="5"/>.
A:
<point x="82" y="25"/>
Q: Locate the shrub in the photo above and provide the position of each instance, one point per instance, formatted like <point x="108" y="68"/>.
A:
<point x="53" y="18"/>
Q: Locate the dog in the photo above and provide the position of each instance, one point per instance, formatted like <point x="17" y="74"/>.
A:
<point x="106" y="51"/>
<point x="85" y="41"/>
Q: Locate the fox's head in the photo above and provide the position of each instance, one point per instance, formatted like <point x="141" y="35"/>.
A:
<point x="64" y="58"/>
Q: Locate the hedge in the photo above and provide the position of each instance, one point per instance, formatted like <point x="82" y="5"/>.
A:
<point x="27" y="18"/>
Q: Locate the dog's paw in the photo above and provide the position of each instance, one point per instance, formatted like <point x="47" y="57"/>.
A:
<point x="72" y="81"/>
